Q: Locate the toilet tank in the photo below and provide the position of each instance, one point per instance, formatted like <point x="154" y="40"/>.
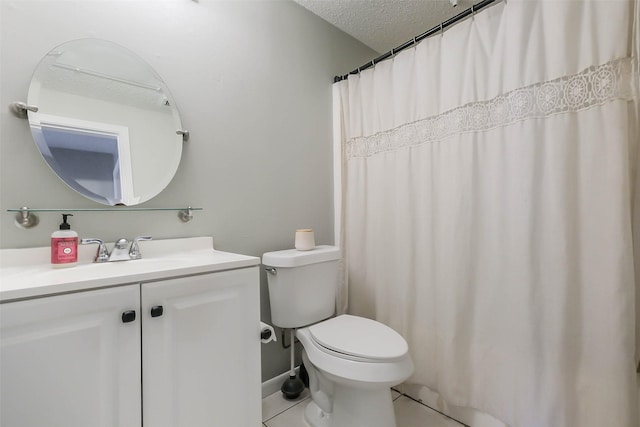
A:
<point x="302" y="285"/>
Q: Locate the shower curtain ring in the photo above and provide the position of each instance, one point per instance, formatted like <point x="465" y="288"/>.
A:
<point x="441" y="30"/>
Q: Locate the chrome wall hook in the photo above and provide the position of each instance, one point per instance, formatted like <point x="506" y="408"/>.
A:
<point x="20" y="109"/>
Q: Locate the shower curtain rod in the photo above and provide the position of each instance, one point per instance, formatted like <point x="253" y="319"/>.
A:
<point x="437" y="29"/>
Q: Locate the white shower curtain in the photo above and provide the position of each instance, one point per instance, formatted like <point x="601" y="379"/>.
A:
<point x="487" y="184"/>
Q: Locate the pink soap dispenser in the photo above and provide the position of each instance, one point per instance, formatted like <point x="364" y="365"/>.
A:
<point x="64" y="245"/>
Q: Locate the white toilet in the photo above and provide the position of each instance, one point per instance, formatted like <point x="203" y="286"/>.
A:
<point x="352" y="361"/>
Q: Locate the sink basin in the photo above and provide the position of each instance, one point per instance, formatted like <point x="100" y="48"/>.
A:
<point x="26" y="273"/>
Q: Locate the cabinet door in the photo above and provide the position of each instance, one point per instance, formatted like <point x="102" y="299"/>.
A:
<point x="201" y="356"/>
<point x="70" y="361"/>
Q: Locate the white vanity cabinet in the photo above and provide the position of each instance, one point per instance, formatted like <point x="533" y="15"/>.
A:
<point x="201" y="356"/>
<point x="69" y="360"/>
<point x="190" y="357"/>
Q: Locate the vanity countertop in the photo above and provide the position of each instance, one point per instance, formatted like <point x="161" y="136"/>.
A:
<point x="27" y="273"/>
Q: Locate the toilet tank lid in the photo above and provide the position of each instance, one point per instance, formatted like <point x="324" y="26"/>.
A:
<point x="296" y="258"/>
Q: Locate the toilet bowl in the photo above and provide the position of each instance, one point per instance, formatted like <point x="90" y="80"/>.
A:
<point x="352" y="361"/>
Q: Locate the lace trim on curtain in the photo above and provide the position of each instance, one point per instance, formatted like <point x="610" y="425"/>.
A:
<point x="594" y="86"/>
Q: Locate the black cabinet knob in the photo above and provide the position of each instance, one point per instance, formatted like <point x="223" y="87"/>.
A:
<point x="156" y="311"/>
<point x="128" y="316"/>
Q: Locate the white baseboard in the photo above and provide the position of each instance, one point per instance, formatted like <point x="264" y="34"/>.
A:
<point x="271" y="386"/>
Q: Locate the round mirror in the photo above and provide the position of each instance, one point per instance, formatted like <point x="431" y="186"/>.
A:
<point x="105" y="122"/>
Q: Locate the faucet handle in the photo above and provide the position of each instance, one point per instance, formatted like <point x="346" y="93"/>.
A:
<point x="103" y="253"/>
<point x="134" y="252"/>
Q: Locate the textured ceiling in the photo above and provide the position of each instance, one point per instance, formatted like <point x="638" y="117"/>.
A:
<point x="384" y="24"/>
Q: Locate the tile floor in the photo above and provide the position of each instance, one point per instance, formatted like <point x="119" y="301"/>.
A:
<point x="279" y="412"/>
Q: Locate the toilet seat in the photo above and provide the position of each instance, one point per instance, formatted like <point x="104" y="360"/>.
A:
<point x="358" y="338"/>
<point x="373" y="370"/>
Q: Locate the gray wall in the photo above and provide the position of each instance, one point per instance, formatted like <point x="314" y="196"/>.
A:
<point x="252" y="80"/>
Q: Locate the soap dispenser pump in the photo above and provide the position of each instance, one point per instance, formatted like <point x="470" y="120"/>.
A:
<point x="64" y="245"/>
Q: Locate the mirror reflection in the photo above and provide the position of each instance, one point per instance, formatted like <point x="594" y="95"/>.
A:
<point x="106" y="123"/>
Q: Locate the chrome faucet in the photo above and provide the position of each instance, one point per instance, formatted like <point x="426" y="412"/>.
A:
<point x="103" y="252"/>
<point x="121" y="251"/>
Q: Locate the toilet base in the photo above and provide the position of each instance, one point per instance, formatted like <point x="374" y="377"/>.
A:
<point x="315" y="417"/>
<point x="354" y="408"/>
